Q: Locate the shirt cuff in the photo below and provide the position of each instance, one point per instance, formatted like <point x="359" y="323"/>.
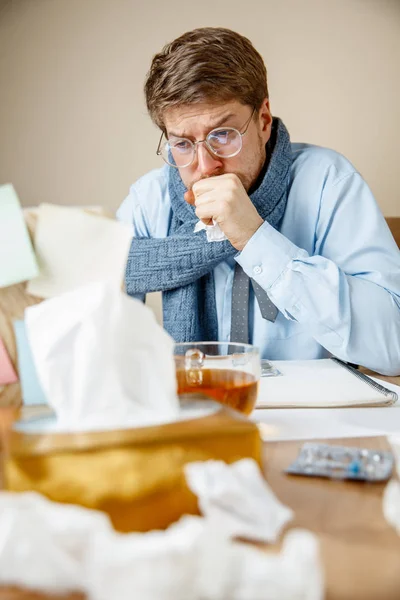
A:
<point x="267" y="255"/>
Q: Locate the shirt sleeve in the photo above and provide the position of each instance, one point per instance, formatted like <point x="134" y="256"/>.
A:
<point x="347" y="294"/>
<point x="131" y="212"/>
<point x="148" y="208"/>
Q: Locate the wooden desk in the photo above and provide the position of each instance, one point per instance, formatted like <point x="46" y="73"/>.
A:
<point x="360" y="551"/>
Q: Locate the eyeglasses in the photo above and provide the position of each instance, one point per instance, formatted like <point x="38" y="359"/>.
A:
<point x="224" y="142"/>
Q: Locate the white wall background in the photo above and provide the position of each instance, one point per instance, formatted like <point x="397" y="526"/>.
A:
<point x="73" y="124"/>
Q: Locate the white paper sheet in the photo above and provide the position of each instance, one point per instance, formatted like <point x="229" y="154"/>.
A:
<point x="75" y="248"/>
<point x="328" y="423"/>
<point x="315" y="383"/>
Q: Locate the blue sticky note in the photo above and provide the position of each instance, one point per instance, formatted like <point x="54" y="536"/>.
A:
<point x="32" y="392"/>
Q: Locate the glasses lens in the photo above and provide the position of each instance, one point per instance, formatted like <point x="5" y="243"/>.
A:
<point x="178" y="153"/>
<point x="225" y="141"/>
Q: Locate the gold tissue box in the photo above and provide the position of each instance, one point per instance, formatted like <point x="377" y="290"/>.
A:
<point x="134" y="475"/>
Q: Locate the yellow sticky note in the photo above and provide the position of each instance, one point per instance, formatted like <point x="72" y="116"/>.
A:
<point x="75" y="248"/>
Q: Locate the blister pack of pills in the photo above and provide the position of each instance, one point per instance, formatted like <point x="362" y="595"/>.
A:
<point x="341" y="462"/>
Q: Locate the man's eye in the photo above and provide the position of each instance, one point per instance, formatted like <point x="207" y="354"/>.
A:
<point x="221" y="136"/>
<point x="182" y="145"/>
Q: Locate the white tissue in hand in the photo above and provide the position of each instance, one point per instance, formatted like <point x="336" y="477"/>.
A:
<point x="237" y="499"/>
<point x="213" y="232"/>
<point x="102" y="359"/>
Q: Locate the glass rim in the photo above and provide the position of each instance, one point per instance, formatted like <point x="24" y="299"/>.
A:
<point x="248" y="347"/>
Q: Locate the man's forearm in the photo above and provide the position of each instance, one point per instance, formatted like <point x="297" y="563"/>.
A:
<point x="351" y="316"/>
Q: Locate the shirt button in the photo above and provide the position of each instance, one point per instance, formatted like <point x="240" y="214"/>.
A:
<point x="257" y="270"/>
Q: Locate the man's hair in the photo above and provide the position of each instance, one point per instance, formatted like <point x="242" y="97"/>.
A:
<point x="211" y="64"/>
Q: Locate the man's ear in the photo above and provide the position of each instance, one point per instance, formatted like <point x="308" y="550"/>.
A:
<point x="265" y="121"/>
<point x="265" y="117"/>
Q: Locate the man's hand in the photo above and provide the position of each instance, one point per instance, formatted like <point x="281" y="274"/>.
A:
<point x="224" y="200"/>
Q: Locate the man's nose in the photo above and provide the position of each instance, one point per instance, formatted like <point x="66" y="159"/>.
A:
<point x="207" y="163"/>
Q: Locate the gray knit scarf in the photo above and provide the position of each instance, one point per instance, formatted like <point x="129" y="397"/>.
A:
<point x="181" y="265"/>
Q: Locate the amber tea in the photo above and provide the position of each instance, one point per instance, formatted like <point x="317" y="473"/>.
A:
<point x="232" y="387"/>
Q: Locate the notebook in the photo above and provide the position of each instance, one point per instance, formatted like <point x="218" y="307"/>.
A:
<point x="321" y="383"/>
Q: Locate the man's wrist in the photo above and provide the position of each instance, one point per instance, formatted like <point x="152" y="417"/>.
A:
<point x="246" y="238"/>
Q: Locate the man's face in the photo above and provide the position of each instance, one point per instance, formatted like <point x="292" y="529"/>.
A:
<point x="195" y="121"/>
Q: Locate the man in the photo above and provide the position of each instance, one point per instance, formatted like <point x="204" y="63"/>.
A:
<point x="307" y="267"/>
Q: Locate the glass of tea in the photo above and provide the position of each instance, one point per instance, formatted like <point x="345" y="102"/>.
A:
<point x="226" y="372"/>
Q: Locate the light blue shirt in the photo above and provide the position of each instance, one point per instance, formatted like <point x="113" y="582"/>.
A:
<point x="332" y="269"/>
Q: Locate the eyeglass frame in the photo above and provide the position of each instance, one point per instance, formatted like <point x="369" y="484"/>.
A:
<point x="194" y="144"/>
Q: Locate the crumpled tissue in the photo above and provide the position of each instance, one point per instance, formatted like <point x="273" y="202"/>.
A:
<point x="237" y="499"/>
<point x="58" y="548"/>
<point x="213" y="232"/>
<point x="102" y="360"/>
<point x="391" y="495"/>
<point x="191" y="560"/>
<point x="43" y="544"/>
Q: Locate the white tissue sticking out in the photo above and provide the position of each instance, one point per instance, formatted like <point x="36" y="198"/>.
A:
<point x="391" y="495"/>
<point x="102" y="360"/>
<point x="237" y="499"/>
<point x="213" y="232"/>
<point x="58" y="548"/>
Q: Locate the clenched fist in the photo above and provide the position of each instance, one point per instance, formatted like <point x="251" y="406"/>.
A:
<point x="223" y="200"/>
